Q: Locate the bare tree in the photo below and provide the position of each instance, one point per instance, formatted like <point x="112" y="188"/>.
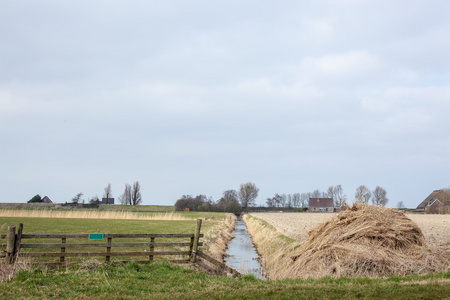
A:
<point x="136" y="197"/>
<point x="330" y="193"/>
<point x="337" y="193"/>
<point x="316" y="194"/>
<point x="77" y="198"/>
<point x="270" y="202"/>
<point x="305" y="199"/>
<point x="125" y="198"/>
<point x="283" y="200"/>
<point x="379" y="196"/>
<point x="362" y="194"/>
<point x="400" y="205"/>
<point x="296" y="199"/>
<point x="108" y="193"/>
<point x="340" y="196"/>
<point x="230" y="195"/>
<point x="247" y="194"/>
<point x="94" y="201"/>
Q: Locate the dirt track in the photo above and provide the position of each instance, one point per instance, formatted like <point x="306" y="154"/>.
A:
<point x="436" y="228"/>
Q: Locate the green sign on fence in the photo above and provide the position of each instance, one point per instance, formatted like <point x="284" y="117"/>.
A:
<point x="96" y="236"/>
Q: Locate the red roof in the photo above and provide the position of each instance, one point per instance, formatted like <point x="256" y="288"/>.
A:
<point x="46" y="200"/>
<point x="321" y="202"/>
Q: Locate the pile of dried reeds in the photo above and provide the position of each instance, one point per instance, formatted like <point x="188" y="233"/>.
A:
<point x="365" y="240"/>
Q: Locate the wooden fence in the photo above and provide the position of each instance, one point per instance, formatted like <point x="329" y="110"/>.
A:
<point x="102" y="245"/>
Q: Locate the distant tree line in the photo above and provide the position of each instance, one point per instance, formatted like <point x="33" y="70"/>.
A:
<point x="131" y="195"/>
<point x="301" y="200"/>
<point x="231" y="201"/>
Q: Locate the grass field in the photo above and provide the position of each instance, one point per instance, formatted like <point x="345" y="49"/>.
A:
<point x="162" y="281"/>
<point x="78" y="225"/>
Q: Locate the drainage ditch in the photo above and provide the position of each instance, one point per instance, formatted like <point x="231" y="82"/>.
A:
<point x="241" y="254"/>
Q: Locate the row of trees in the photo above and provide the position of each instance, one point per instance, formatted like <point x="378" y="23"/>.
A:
<point x="231" y="201"/>
<point x="378" y="196"/>
<point x="298" y="200"/>
<point x="131" y="195"/>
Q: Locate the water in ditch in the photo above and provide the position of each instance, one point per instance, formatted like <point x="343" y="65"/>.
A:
<point x="242" y="256"/>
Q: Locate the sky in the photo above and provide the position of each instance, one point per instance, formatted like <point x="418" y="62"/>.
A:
<point x="199" y="97"/>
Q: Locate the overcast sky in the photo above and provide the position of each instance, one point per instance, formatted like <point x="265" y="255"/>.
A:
<point x="197" y="97"/>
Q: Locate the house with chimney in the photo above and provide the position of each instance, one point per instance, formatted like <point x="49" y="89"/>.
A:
<point x="321" y="204"/>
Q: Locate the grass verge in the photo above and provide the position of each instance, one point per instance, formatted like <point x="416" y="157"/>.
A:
<point x="163" y="281"/>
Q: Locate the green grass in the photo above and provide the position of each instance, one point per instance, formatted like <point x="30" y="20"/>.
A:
<point x="57" y="225"/>
<point x="163" y="281"/>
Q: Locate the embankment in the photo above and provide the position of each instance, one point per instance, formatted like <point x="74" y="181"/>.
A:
<point x="218" y="237"/>
<point x="270" y="244"/>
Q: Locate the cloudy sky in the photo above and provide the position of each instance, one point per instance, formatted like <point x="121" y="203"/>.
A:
<point x="197" y="97"/>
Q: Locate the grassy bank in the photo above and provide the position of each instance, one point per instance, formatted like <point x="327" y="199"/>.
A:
<point x="162" y="281"/>
<point x="270" y="245"/>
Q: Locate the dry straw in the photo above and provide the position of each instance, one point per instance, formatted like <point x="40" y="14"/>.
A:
<point x="363" y="240"/>
<point x="77" y="214"/>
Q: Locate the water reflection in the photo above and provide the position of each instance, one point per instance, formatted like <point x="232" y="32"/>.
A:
<point x="242" y="255"/>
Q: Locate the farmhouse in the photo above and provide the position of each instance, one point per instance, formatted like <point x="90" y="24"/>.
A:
<point x="321" y="204"/>
<point x="46" y="200"/>
<point x="438" y="202"/>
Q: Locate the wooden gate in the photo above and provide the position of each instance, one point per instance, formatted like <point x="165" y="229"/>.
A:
<point x="69" y="249"/>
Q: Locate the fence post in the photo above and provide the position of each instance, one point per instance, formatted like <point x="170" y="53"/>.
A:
<point x="18" y="241"/>
<point x="108" y="249"/>
<point x="196" y="237"/>
<point x="62" y="258"/>
<point x="10" y="243"/>
<point x="152" y="248"/>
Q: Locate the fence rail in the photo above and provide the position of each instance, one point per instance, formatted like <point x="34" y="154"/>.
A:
<point x="98" y="245"/>
<point x="14" y="248"/>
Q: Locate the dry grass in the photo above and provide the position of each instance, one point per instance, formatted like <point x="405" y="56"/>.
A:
<point x="269" y="245"/>
<point x="218" y="237"/>
<point x="80" y="214"/>
<point x="435" y="228"/>
<point x="364" y="241"/>
<point x="7" y="271"/>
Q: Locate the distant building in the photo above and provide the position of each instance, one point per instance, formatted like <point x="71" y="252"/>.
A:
<point x="437" y="202"/>
<point x="46" y="200"/>
<point x="321" y="204"/>
<point x="107" y="201"/>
